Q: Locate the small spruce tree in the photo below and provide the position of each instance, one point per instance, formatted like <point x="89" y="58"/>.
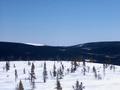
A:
<point x="14" y="66"/>
<point x="104" y="69"/>
<point x="16" y="75"/>
<point x="58" y="84"/>
<point x="20" y="86"/>
<point x="24" y="72"/>
<point x="29" y="63"/>
<point x="78" y="86"/>
<point x="7" y="65"/>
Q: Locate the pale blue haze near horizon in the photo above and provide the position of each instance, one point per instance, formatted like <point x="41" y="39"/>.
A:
<point x="59" y="22"/>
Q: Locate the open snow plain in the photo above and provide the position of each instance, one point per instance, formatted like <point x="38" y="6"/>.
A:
<point x="108" y="78"/>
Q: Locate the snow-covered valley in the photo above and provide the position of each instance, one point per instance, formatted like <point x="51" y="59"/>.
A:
<point x="93" y="76"/>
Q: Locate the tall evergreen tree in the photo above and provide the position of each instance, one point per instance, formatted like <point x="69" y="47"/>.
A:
<point x="95" y="72"/>
<point x="32" y="68"/>
<point x="54" y="70"/>
<point x="32" y="74"/>
<point x="44" y="72"/>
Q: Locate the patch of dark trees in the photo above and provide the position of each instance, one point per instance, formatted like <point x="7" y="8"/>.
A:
<point x="100" y="52"/>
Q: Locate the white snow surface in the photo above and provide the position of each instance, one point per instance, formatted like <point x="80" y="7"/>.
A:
<point x="110" y="80"/>
<point x="35" y="44"/>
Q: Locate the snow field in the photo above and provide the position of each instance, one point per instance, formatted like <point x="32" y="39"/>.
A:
<point x="109" y="81"/>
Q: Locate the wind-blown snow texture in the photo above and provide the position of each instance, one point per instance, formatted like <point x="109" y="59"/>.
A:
<point x="109" y="81"/>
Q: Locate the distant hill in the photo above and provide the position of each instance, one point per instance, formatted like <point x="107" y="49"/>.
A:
<point x="102" y="52"/>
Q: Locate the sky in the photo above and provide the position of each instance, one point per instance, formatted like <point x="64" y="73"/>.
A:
<point x="59" y="22"/>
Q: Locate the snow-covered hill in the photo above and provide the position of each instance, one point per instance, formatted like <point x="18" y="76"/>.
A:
<point x="108" y="78"/>
<point x="34" y="44"/>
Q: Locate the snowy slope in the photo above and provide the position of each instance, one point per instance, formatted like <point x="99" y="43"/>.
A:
<point x="110" y="80"/>
<point x="34" y="44"/>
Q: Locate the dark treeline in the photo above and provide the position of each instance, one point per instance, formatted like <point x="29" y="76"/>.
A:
<point x="102" y="52"/>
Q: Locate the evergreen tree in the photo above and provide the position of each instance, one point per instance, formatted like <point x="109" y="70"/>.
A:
<point x="95" y="72"/>
<point x="24" y="72"/>
<point x="7" y="65"/>
<point x="20" y="86"/>
<point x="32" y="68"/>
<point x="14" y="66"/>
<point x="33" y="85"/>
<point x="114" y="68"/>
<point x="29" y="63"/>
<point x="60" y="73"/>
<point x="75" y="65"/>
<point x="44" y="72"/>
<point x="16" y="75"/>
<point x="78" y="86"/>
<point x="84" y="67"/>
<point x="99" y="76"/>
<point x="58" y="84"/>
<point x="54" y="70"/>
<point x="84" y="71"/>
<point x="62" y="66"/>
<point x="72" y="67"/>
<point x="84" y="63"/>
<point x="104" y="68"/>
<point x="32" y="74"/>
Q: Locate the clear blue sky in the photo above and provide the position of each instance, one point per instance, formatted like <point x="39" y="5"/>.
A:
<point x="59" y="22"/>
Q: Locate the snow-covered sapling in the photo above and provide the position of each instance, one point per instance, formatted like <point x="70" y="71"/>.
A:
<point x="60" y="73"/>
<point x="78" y="86"/>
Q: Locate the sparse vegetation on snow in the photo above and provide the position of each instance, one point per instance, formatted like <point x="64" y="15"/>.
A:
<point x="58" y="75"/>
